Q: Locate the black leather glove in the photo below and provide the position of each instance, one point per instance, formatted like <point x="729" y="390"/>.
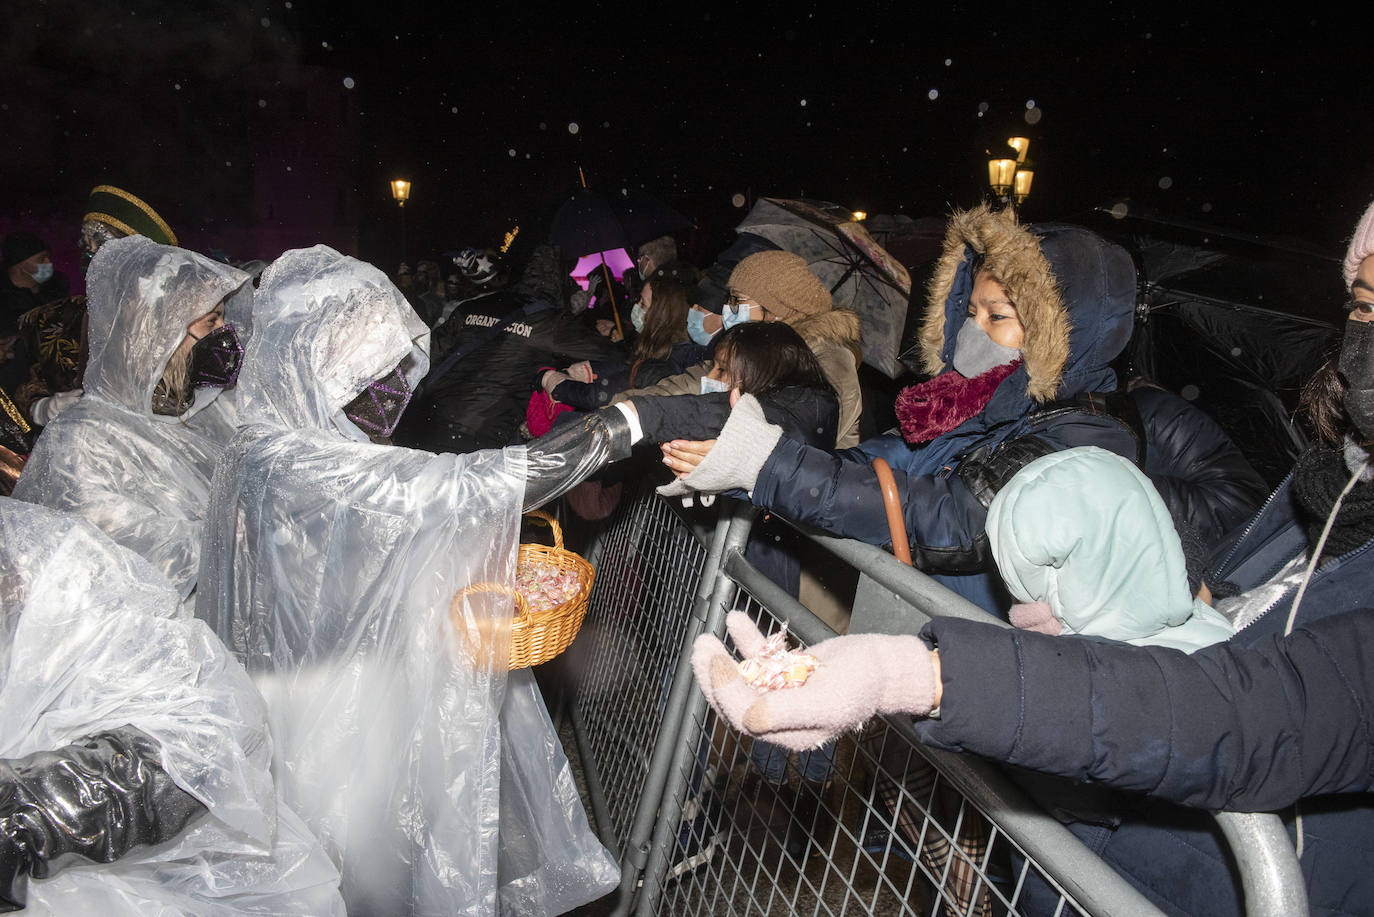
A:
<point x="90" y="802"/>
<point x="571" y="452"/>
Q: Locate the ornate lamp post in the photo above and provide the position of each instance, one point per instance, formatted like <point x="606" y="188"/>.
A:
<point x="1010" y="177"/>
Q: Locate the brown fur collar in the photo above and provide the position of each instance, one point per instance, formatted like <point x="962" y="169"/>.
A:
<point x="1013" y="255"/>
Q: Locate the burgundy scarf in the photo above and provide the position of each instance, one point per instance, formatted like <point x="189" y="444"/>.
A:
<point x="932" y="408"/>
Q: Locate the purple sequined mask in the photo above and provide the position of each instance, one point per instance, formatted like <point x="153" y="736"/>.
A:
<point x="217" y="358"/>
<point x="378" y="409"/>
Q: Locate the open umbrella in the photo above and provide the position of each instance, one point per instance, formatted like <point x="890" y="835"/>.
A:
<point x="860" y="274"/>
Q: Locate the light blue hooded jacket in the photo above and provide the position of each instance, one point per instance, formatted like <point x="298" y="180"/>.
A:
<point x="1085" y="532"/>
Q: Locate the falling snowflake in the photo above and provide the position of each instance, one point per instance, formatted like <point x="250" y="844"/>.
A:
<point x="573" y="127"/>
<point x="1119" y="210"/>
<point x="262" y="103"/>
<point x="933" y="94"/>
<point x="1166" y="183"/>
<point x="803" y="103"/>
<point x="266" y="23"/>
<point x="348" y="82"/>
<point x="511" y="152"/>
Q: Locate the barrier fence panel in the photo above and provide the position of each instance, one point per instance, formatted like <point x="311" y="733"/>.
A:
<point x="708" y="821"/>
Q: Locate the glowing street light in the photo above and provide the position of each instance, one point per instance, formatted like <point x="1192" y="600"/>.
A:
<point x="860" y="216"/>
<point x="1011" y="178"/>
<point x="400" y="190"/>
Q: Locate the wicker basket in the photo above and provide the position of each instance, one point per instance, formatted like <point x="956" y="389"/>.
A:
<point x="535" y="637"/>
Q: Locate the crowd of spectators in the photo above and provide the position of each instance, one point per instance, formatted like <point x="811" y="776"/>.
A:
<point x="298" y="467"/>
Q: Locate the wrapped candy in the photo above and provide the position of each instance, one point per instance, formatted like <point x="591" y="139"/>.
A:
<point x="775" y="667"/>
<point x="546" y="586"/>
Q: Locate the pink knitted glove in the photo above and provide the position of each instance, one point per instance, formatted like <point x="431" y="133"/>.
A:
<point x="860" y="676"/>
<point x="1036" y="616"/>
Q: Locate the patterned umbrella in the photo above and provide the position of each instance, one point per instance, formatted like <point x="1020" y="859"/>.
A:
<point x="861" y="275"/>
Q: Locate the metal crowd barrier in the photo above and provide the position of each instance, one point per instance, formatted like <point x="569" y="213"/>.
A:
<point x="890" y="826"/>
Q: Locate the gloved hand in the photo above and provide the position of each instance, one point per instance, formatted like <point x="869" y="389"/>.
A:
<point x="581" y="371"/>
<point x="859" y="676"/>
<point x="43" y="410"/>
<point x="551" y="379"/>
<point x="94" y="801"/>
<point x="570" y="453"/>
<point x="734" y="463"/>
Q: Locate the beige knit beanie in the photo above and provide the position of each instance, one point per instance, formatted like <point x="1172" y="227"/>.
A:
<point x="782" y="284"/>
<point x="1361" y="246"/>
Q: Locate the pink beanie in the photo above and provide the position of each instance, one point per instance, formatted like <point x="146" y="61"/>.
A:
<point x="1361" y="246"/>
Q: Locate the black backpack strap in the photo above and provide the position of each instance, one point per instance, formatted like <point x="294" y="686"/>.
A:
<point x="988" y="468"/>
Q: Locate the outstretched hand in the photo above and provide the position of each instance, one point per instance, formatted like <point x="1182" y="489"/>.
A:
<point x="682" y="455"/>
<point x="859" y="676"/>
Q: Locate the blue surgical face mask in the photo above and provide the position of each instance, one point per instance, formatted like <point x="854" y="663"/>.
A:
<point x="710" y="386"/>
<point x="637" y="317"/>
<point x="696" y="328"/>
<point x="42" y="273"/>
<point x="734" y="315"/>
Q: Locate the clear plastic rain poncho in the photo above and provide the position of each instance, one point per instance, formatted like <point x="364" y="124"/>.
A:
<point x="143" y="478"/>
<point x="436" y="781"/>
<point x="91" y="639"/>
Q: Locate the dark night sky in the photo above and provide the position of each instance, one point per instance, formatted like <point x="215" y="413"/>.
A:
<point x="1250" y="122"/>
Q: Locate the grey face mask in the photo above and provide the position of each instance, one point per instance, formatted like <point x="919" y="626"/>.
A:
<point x="975" y="353"/>
<point x="1357" y="366"/>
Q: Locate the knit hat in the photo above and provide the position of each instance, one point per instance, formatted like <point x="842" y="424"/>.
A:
<point x="20" y="246"/>
<point x="781" y="283"/>
<point x="126" y="213"/>
<point x="1361" y="246"/>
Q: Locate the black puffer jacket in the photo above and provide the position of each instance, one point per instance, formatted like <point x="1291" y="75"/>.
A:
<point x="1202" y="476"/>
<point x="614" y="378"/>
<point x="478" y="401"/>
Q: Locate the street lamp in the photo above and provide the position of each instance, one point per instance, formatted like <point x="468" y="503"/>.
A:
<point x="400" y="190"/>
<point x="860" y="216"/>
<point x="1009" y="177"/>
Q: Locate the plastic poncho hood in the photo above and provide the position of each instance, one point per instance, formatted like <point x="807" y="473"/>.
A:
<point x="1084" y="531"/>
<point x="141" y="298"/>
<point x="336" y="570"/>
<point x="142" y="478"/>
<point x="92" y="639"/>
<point x="326" y="326"/>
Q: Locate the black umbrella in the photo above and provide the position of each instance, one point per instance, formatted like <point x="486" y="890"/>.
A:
<point x="646" y="217"/>
<point x="586" y="224"/>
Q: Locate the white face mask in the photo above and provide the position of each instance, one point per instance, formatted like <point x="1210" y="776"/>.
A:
<point x="42" y="273"/>
<point x="709" y="385"/>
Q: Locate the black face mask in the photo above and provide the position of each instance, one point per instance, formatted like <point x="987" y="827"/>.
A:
<point x="217" y="358"/>
<point x="378" y="408"/>
<point x="1357" y="367"/>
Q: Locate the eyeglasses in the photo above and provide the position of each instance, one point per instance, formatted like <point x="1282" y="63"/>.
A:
<point x="734" y="300"/>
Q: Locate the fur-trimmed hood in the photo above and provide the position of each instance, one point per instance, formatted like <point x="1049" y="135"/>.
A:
<point x="1074" y="292"/>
